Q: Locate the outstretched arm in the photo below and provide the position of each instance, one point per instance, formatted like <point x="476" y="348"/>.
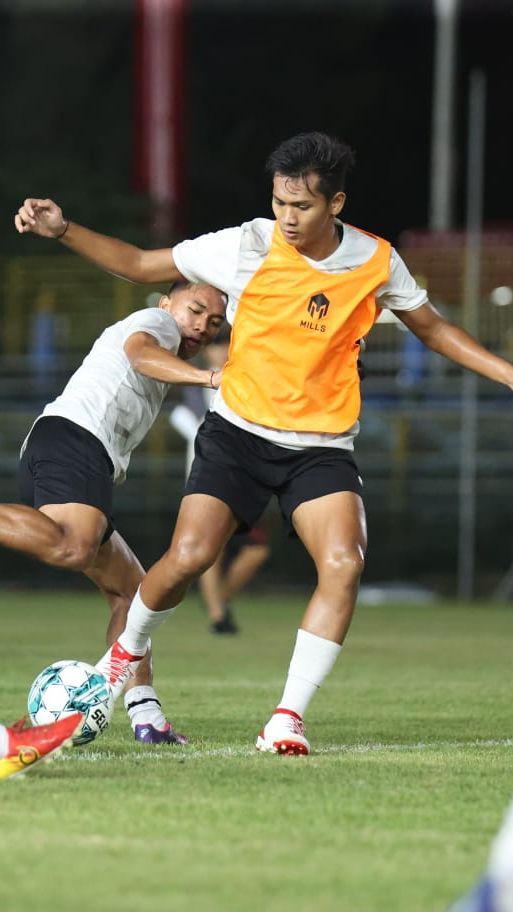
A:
<point x="456" y="344"/>
<point x="147" y="357"/>
<point x="45" y="218"/>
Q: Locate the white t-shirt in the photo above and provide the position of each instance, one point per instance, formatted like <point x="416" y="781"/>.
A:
<point x="107" y="397"/>
<point x="229" y="259"/>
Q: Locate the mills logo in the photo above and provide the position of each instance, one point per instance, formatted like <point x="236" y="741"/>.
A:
<point x="317" y="308"/>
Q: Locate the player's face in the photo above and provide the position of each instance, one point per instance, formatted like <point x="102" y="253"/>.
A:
<point x="305" y="216"/>
<point x="199" y="312"/>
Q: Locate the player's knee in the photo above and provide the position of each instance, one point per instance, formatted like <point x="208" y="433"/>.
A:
<point x="347" y="564"/>
<point x="192" y="556"/>
<point x="75" y="555"/>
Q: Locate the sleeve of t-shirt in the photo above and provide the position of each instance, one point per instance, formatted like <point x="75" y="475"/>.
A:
<point x="211" y="258"/>
<point x="157" y="323"/>
<point x="401" y="292"/>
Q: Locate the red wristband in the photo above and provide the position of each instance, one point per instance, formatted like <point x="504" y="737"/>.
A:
<point x="59" y="236"/>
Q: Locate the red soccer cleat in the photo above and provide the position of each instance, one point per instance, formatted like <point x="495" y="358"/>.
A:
<point x="26" y="747"/>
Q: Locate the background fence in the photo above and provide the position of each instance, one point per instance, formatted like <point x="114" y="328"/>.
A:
<point x="408" y="449"/>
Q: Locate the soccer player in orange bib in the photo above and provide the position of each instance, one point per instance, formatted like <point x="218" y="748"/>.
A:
<point x="303" y="289"/>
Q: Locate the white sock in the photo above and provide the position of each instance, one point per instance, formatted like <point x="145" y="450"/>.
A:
<point x="143" y="707"/>
<point x="312" y="660"/>
<point x="4" y="741"/>
<point x="140" y="624"/>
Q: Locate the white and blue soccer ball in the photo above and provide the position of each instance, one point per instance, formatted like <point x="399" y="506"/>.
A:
<point x="71" y="686"/>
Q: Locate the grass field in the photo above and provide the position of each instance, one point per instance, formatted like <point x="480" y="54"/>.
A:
<point x="393" y="812"/>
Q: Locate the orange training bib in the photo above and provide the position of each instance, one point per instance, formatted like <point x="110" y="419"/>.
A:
<point x="292" y="362"/>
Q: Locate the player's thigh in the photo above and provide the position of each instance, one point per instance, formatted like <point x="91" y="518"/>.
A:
<point x="313" y="475"/>
<point x="333" y="527"/>
<point x="80" y="523"/>
<point x="204" y="523"/>
<point x="227" y="467"/>
<point x="66" y="473"/>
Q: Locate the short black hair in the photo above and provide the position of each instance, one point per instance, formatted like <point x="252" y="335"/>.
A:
<point x="182" y="284"/>
<point x="179" y="285"/>
<point x="314" y="153"/>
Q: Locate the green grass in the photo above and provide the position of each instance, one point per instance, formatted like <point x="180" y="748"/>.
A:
<point x="393" y="812"/>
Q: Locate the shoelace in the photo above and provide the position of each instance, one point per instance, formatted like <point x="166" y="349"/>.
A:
<point x="296" y="726"/>
<point x="21" y="724"/>
<point x="119" y="669"/>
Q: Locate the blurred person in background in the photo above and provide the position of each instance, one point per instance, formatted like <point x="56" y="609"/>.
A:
<point x="245" y="553"/>
<point x="303" y="289"/>
<point x="494" y="892"/>
<point x="80" y="446"/>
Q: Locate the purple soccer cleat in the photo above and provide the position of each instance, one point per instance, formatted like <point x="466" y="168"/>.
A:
<point x="148" y="734"/>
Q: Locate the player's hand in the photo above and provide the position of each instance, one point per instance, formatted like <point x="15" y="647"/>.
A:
<point x="40" y="216"/>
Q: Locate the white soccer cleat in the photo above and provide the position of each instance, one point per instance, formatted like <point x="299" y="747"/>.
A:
<point x="118" y="666"/>
<point x="283" y="734"/>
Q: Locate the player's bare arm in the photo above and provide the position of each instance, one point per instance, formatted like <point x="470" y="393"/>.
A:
<point x="147" y="357"/>
<point x="455" y="343"/>
<point x="45" y="218"/>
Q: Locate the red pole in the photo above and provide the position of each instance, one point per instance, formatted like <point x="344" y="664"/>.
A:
<point x="159" y="146"/>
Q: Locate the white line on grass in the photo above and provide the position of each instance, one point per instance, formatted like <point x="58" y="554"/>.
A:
<point x="195" y="753"/>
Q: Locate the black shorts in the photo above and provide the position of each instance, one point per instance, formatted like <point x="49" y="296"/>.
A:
<point x="244" y="471"/>
<point x="63" y="463"/>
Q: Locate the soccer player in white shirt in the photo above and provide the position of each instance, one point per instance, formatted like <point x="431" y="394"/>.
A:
<point x="80" y="446"/>
<point x="303" y="289"/>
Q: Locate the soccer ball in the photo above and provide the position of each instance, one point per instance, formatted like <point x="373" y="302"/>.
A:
<point x="72" y="686"/>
